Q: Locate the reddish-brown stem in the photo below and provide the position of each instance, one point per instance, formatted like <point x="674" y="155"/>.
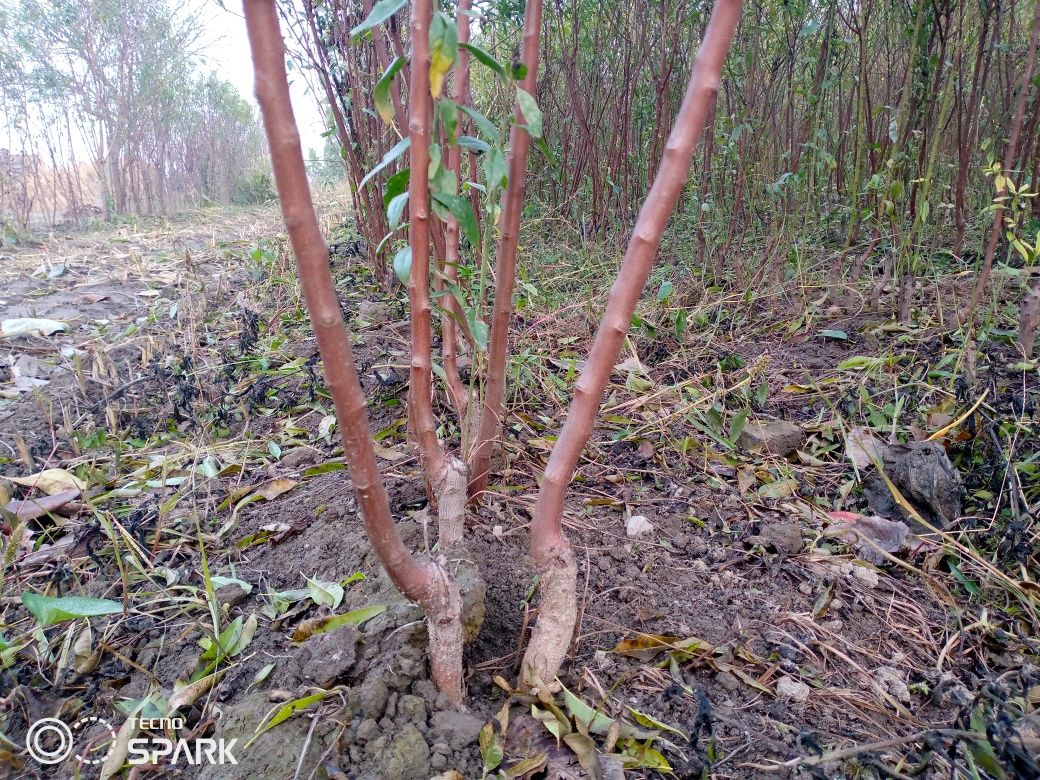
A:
<point x="420" y="118"/>
<point x="427" y="584"/>
<point x="1009" y="161"/>
<point x="549" y="547"/>
<point x="449" y="334"/>
<point x="505" y="263"/>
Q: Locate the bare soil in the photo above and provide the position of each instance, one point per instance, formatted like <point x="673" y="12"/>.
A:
<point x="187" y="346"/>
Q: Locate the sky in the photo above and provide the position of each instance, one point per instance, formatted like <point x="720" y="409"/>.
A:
<point x="226" y="52"/>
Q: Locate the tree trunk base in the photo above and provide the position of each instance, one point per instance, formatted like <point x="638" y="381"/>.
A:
<point x="444" y="624"/>
<point x="557" y="615"/>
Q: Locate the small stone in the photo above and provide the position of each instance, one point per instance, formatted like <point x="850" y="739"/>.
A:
<point x="774" y="437"/>
<point x="699" y="566"/>
<point x="837" y="604"/>
<point x="407" y="757"/>
<point x="374" y="312"/>
<point x="638" y="525"/>
<point x="30" y="367"/>
<point x="868" y="577"/>
<point x="231" y="594"/>
<point x="373" y="697"/>
<point x="783" y="537"/>
<point x="438" y="761"/>
<point x="300" y="457"/>
<point x="457" y="729"/>
<point x="834" y="626"/>
<point x="805" y="588"/>
<point x="411" y="709"/>
<point x="892" y="682"/>
<point x="792" y="690"/>
<point x="441" y="748"/>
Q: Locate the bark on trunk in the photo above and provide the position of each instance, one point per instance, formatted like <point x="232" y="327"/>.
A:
<point x="549" y="547"/>
<point x="428" y="584"/>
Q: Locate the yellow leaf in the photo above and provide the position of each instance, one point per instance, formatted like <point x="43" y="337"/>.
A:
<point x="274" y="488"/>
<point x="51" y="481"/>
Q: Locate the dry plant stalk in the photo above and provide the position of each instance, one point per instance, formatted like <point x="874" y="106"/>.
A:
<point x="552" y="553"/>
<point x="428" y="584"/>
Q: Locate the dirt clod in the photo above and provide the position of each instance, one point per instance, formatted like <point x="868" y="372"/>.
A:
<point x="327" y="658"/>
<point x="407" y="757"/>
<point x="791" y="689"/>
<point x="454" y="728"/>
<point x="773" y="437"/>
<point x="373" y="696"/>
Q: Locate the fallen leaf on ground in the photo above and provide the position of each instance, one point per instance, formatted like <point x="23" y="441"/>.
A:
<point x="274" y="488"/>
<point x="32" y="508"/>
<point x="863" y="448"/>
<point x="867" y="533"/>
<point x="51" y="481"/>
<point x="30" y="326"/>
<point x="645" y="646"/>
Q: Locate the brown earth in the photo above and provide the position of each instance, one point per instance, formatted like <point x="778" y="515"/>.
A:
<point x="735" y="620"/>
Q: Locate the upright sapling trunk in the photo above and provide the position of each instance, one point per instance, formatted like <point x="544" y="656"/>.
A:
<point x="552" y="554"/>
<point x="428" y="584"/>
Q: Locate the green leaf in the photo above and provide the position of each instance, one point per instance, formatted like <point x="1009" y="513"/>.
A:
<point x="381" y="93"/>
<point x="532" y="114"/>
<point x="287" y="711"/>
<point x="396" y="209"/>
<point x="475" y="144"/>
<point x="484" y="125"/>
<point x="381" y="11"/>
<point x="652" y="723"/>
<point x="399" y="148"/>
<point x="495" y="172"/>
<point x="262" y="674"/>
<point x="232" y="640"/>
<point x="835" y="334"/>
<point x="680" y="323"/>
<point x="449" y="113"/>
<point x="479" y="329"/>
<point x="484" y="57"/>
<point x="403" y="264"/>
<point x="395" y="185"/>
<point x="736" y="426"/>
<point x="490" y="752"/>
<point x="328" y="594"/>
<point x="48" y="610"/>
<point x="355" y="617"/>
<point x="444" y="48"/>
<point x="462" y="210"/>
<point x="666" y="290"/>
